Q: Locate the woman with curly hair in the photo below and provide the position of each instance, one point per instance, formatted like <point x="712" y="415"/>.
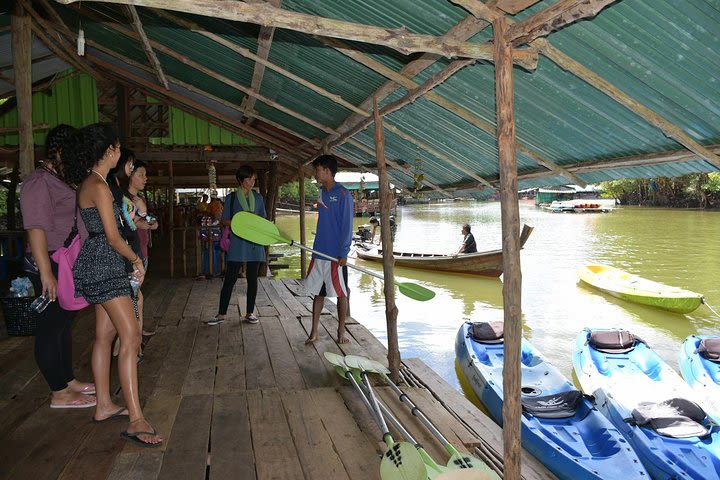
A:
<point x="48" y="204"/>
<point x="101" y="276"/>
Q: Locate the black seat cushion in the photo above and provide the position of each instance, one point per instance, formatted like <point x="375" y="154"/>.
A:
<point x="676" y="417"/>
<point x="709" y="348"/>
<point x="612" y="341"/>
<point x="487" y="332"/>
<point x="558" y="405"/>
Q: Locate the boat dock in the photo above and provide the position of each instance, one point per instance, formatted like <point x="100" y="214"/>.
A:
<point x="234" y="401"/>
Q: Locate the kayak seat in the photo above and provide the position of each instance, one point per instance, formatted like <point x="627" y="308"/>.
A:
<point x="487" y="332"/>
<point x="557" y="405"/>
<point x="675" y="417"/>
<point x="612" y="341"/>
<point x="709" y="349"/>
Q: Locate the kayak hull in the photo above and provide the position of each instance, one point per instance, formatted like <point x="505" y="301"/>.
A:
<point x="620" y="382"/>
<point x="584" y="445"/>
<point x="633" y="288"/>
<point x="701" y="374"/>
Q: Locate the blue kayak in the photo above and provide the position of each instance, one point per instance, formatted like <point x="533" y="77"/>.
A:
<point x="700" y="367"/>
<point x="649" y="403"/>
<point x="560" y="426"/>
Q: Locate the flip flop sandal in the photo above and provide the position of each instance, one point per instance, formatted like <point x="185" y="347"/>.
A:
<point x="77" y="403"/>
<point x="119" y="415"/>
<point x="133" y="437"/>
<point x="87" y="390"/>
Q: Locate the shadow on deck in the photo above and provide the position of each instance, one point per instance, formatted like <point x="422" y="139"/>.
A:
<point x="234" y="401"/>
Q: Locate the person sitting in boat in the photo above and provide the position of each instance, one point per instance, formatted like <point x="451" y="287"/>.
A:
<point x="376" y="223"/>
<point x="468" y="244"/>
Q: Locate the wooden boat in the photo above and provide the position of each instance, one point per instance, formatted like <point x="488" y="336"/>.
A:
<point x="633" y="288"/>
<point x="489" y="263"/>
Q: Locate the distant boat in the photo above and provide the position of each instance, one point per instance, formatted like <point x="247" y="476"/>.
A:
<point x="488" y="263"/>
<point x="633" y="288"/>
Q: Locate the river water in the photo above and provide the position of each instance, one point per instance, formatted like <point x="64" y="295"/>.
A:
<point x="676" y="247"/>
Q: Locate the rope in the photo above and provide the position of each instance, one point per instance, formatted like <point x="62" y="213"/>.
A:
<point x="711" y="308"/>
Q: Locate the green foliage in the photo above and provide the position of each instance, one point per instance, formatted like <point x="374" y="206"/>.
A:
<point x="687" y="191"/>
<point x="712" y="182"/>
<point x="290" y="192"/>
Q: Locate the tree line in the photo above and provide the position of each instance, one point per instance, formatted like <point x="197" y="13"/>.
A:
<point x="695" y="190"/>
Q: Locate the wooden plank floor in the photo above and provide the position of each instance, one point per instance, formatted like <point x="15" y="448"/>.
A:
<point x="234" y="401"/>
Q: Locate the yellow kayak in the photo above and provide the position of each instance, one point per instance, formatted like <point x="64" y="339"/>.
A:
<point x="633" y="288"/>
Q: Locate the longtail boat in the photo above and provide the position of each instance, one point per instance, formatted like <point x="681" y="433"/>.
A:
<point x="488" y="263"/>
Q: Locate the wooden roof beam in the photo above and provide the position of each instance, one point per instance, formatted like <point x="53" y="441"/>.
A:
<point x="514" y="6"/>
<point x="410" y="97"/>
<point x="213" y="116"/>
<point x="553" y="18"/>
<point x="194" y="89"/>
<point x="259" y="60"/>
<point x="264" y="14"/>
<point x="441" y="101"/>
<point x="149" y="53"/>
<point x="265" y="38"/>
<point x="211" y="73"/>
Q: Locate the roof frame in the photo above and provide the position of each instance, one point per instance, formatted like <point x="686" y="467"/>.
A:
<point x="140" y="32"/>
<point x="265" y="14"/>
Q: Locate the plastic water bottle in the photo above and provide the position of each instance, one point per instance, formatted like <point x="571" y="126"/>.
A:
<point x="134" y="283"/>
<point x="40" y="304"/>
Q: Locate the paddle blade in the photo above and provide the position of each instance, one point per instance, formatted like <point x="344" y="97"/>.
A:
<point x="458" y="460"/>
<point x="402" y="462"/>
<point x="366" y="364"/>
<point x="256" y="229"/>
<point x="335" y="359"/>
<point x="466" y="474"/>
<point x="416" y="292"/>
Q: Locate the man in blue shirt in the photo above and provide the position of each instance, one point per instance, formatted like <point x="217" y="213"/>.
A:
<point x="333" y="237"/>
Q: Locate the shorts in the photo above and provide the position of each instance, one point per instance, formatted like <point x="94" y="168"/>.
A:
<point x="323" y="279"/>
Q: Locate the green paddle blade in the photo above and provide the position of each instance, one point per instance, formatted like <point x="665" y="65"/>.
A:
<point x="467" y="474"/>
<point x="335" y="359"/>
<point x="416" y="292"/>
<point x="366" y="364"/>
<point x="256" y="229"/>
<point x="460" y="461"/>
<point x="402" y="462"/>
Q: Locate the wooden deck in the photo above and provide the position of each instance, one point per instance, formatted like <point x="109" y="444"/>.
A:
<point x="234" y="401"/>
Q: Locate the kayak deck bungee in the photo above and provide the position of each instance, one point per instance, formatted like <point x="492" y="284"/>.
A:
<point x="649" y="403"/>
<point x="560" y="426"/>
<point x="699" y="365"/>
<point x="634" y="288"/>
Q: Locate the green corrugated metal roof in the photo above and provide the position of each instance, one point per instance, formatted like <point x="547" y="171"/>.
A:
<point x="72" y="101"/>
<point x="663" y="54"/>
<point x="186" y="129"/>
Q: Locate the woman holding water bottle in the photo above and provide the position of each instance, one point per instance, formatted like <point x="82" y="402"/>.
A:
<point x="101" y="277"/>
<point x="47" y="204"/>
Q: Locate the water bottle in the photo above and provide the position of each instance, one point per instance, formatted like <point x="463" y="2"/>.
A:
<point x="134" y="283"/>
<point x="40" y="304"/>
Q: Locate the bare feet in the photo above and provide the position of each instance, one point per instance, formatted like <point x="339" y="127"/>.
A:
<point x="148" y="436"/>
<point x="79" y="387"/>
<point x="311" y="339"/>
<point x="341" y="338"/>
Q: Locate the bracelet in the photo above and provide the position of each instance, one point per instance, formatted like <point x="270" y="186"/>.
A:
<point x="136" y="259"/>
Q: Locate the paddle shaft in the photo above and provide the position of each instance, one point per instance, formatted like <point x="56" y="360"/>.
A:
<point x="320" y="254"/>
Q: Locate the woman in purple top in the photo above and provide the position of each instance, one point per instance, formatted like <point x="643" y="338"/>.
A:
<point x="48" y="204"/>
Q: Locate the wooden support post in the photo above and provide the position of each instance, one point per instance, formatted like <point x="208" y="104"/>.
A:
<point x="512" y="281"/>
<point x="301" y="193"/>
<point x="171" y="217"/>
<point x="123" y="111"/>
<point x="22" y="63"/>
<point x="184" y="252"/>
<point x="391" y="311"/>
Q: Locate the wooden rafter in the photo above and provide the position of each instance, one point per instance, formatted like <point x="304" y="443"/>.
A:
<point x="258" y="60"/>
<point x="553" y="18"/>
<point x="207" y="113"/>
<point x="149" y="53"/>
<point x="209" y="96"/>
<point x="515" y="6"/>
<point x="264" y="14"/>
<point x="461" y="112"/>
<point x="211" y="73"/>
<point x="410" y="97"/>
<point x="265" y="38"/>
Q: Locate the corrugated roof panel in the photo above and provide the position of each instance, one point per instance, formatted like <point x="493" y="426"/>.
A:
<point x="187" y="129"/>
<point x="72" y="101"/>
